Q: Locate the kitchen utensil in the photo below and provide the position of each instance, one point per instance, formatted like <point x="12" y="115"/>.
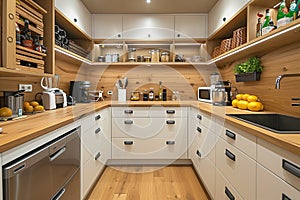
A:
<point x="120" y="84"/>
<point x="125" y="82"/>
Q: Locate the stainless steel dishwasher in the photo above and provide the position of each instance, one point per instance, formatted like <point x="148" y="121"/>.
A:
<point x="51" y="171"/>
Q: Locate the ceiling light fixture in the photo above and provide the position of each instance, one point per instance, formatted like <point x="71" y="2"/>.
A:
<point x="148" y="1"/>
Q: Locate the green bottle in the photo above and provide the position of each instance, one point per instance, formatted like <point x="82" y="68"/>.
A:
<point x="293" y="10"/>
<point x="267" y="19"/>
<point x="283" y="11"/>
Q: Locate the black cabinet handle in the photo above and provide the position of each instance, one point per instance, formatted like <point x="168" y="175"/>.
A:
<point x="97" y="130"/>
<point x="178" y="35"/>
<point x="290" y="167"/>
<point x="230" y="134"/>
<point x="128" y="142"/>
<point x="198" y="153"/>
<point x="224" y="19"/>
<point x="98" y="117"/>
<point x="75" y="20"/>
<point x="119" y="35"/>
<point x="128" y="111"/>
<point x="230" y="155"/>
<point x="199" y="129"/>
<point x="170" y="142"/>
<point x="97" y="156"/>
<point x="170" y="111"/>
<point x="199" y="117"/>
<point x="128" y="122"/>
<point x="284" y="197"/>
<point x="229" y="194"/>
<point x="170" y="121"/>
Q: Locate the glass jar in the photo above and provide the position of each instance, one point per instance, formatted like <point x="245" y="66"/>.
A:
<point x="135" y="96"/>
<point x="140" y="59"/>
<point x="165" y="57"/>
<point x="131" y="53"/>
<point x="154" y="55"/>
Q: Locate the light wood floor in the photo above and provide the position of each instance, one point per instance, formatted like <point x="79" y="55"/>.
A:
<point x="148" y="183"/>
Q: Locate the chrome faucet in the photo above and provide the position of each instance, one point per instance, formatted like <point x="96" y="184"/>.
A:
<point x="277" y="85"/>
<point x="278" y="79"/>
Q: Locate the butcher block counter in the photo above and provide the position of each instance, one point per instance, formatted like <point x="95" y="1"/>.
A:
<point x="19" y="131"/>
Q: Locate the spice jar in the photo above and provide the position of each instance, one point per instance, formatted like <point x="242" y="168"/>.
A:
<point x="140" y="59"/>
<point x="135" y="96"/>
<point x="147" y="59"/>
<point x="131" y="53"/>
<point x="165" y="57"/>
<point x="154" y="55"/>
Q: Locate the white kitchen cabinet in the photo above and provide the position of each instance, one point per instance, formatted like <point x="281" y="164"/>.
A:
<point x="95" y="147"/>
<point x="222" y="12"/>
<point x="282" y="163"/>
<point x="190" y="26"/>
<point x="148" y="27"/>
<point x="270" y="186"/>
<point x="236" y="167"/>
<point x="107" y="26"/>
<point x="77" y="13"/>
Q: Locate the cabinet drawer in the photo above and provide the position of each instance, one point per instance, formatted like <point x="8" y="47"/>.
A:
<point x="270" y="186"/>
<point x="237" y="167"/>
<point x="130" y="112"/>
<point x="202" y="118"/>
<point x="148" y="127"/>
<point x="245" y="142"/>
<point x="284" y="164"/>
<point x="170" y="112"/>
<point x="224" y="190"/>
<point x="95" y="118"/>
<point x="155" y="148"/>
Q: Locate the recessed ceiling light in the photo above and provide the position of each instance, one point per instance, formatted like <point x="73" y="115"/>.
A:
<point x="148" y="1"/>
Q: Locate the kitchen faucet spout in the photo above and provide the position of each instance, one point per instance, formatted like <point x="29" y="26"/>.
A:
<point x="278" y="79"/>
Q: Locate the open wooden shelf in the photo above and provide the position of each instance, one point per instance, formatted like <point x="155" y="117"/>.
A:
<point x="71" y="54"/>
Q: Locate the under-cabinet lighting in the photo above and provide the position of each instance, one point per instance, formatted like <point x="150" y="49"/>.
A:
<point x="72" y="56"/>
<point x="148" y="1"/>
<point x="255" y="43"/>
<point x="277" y="5"/>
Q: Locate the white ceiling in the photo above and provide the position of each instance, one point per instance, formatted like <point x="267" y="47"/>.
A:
<point x="140" y="6"/>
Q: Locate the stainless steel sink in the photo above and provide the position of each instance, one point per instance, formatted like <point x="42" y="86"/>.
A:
<point x="278" y="123"/>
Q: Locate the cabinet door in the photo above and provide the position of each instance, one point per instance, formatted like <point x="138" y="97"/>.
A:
<point x="190" y="26"/>
<point x="77" y="13"/>
<point x="270" y="186"/>
<point x="107" y="26"/>
<point x="222" y="12"/>
<point x="148" y="27"/>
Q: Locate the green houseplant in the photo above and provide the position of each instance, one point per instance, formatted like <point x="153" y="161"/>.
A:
<point x="249" y="70"/>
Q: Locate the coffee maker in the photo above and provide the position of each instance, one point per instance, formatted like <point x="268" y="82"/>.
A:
<point x="79" y="90"/>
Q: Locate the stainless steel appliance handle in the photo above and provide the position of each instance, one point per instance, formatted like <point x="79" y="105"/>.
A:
<point x="59" y="194"/>
<point x="57" y="154"/>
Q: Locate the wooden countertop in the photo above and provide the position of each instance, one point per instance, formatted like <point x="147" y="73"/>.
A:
<point x="17" y="132"/>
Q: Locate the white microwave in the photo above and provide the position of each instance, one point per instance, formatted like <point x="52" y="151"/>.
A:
<point x="205" y="94"/>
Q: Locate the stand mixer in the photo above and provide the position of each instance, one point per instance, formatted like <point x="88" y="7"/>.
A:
<point x="53" y="97"/>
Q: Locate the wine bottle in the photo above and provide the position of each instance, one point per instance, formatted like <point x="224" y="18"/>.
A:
<point x="267" y="19"/>
<point x="160" y="92"/>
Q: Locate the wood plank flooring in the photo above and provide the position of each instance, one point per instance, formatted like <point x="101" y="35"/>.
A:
<point x="148" y="183"/>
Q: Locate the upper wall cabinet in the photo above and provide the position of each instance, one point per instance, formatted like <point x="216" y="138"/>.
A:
<point x="107" y="26"/>
<point x="77" y="13"/>
<point x="191" y="26"/>
<point x="148" y="27"/>
<point x="223" y="11"/>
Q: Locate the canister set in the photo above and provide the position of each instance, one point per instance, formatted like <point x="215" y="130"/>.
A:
<point x="153" y="56"/>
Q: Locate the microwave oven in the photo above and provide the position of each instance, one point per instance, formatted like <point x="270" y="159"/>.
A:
<point x="205" y="94"/>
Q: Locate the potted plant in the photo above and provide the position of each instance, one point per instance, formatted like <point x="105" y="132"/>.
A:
<point x="248" y="71"/>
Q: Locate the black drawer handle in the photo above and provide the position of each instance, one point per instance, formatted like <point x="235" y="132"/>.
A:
<point x="128" y="122"/>
<point x="230" y="155"/>
<point x="97" y="117"/>
<point x="128" y="142"/>
<point x="229" y="194"/>
<point x="198" y="153"/>
<point x="170" y="142"/>
<point x="170" y="111"/>
<point x="170" y="122"/>
<point x="199" y="129"/>
<point x="199" y="117"/>
<point x="230" y="134"/>
<point x="284" y="197"/>
<point x="97" y="156"/>
<point x="128" y="111"/>
<point x="97" y="130"/>
<point x="290" y="167"/>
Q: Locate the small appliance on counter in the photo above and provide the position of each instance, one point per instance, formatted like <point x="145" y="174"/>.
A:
<point x="14" y="100"/>
<point x="53" y="97"/>
<point x="79" y="90"/>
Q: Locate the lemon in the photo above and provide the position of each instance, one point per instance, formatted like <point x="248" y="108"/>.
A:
<point x="255" y="106"/>
<point x="234" y="103"/>
<point x="242" y="104"/>
<point x="39" y="108"/>
<point x="28" y="108"/>
<point x="5" y="112"/>
<point x="245" y="97"/>
<point x="252" y="98"/>
<point x="239" y="96"/>
<point x="34" y="103"/>
<point x="26" y="103"/>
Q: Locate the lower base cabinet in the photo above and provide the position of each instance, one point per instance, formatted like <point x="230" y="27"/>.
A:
<point x="270" y="186"/>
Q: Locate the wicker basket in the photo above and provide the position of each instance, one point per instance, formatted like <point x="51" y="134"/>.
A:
<point x="239" y="37"/>
<point x="216" y="52"/>
<point x="225" y="45"/>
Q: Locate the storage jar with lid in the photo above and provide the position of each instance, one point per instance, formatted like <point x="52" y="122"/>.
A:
<point x="131" y="53"/>
<point x="154" y="55"/>
<point x="165" y="57"/>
